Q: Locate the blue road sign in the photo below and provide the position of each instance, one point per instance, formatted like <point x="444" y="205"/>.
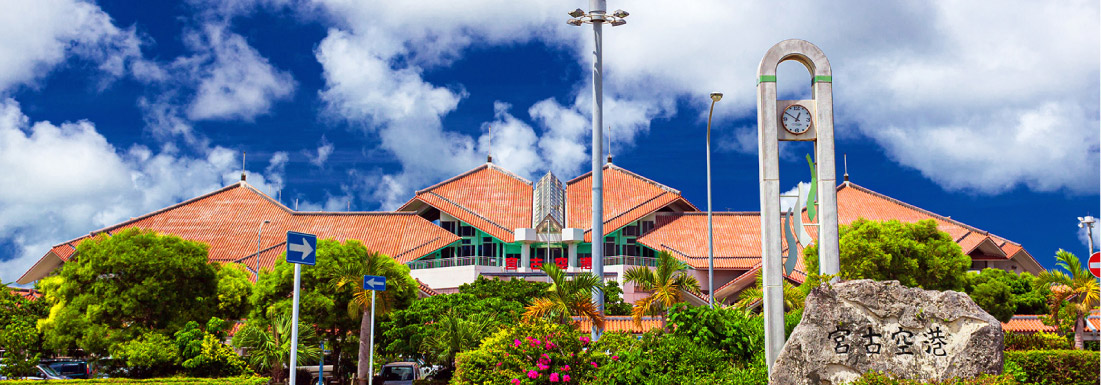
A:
<point x="301" y="248"/>
<point x="374" y="282"/>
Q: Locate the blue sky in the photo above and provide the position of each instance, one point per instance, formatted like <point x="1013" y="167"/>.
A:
<point x="983" y="111"/>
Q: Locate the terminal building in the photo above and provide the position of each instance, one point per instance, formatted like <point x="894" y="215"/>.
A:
<point x="491" y="222"/>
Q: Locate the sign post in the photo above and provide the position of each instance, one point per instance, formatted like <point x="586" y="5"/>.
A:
<point x="301" y="250"/>
<point x="374" y="283"/>
<point x="1095" y="264"/>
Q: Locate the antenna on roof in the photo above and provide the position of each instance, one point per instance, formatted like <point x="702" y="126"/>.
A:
<point x="295" y="204"/>
<point x="609" y="143"/>
<point x="846" y="157"/>
<point x="489" y="154"/>
<point x="243" y="166"/>
<point x="349" y="205"/>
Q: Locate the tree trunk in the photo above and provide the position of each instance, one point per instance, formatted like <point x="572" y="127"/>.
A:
<point x="1078" y="326"/>
<point x="363" y="369"/>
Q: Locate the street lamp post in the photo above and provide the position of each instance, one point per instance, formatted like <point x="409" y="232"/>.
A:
<point x="1087" y="222"/>
<point x="715" y="96"/>
<point x="597" y="16"/>
<point x="261" y="231"/>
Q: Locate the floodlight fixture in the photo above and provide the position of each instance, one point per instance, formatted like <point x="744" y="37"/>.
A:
<point x="577" y="13"/>
<point x="620" y="13"/>
<point x="716" y="96"/>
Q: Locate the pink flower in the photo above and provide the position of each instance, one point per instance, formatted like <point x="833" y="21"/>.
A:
<point x="542" y="367"/>
<point x="554" y="377"/>
<point x="515" y="381"/>
<point x="615" y="358"/>
<point x="533" y="374"/>
<point x="515" y="343"/>
<point x="566" y="368"/>
<point x="566" y="378"/>
<point x="550" y="345"/>
<point x="500" y="363"/>
<point x="594" y="365"/>
<point x="585" y="340"/>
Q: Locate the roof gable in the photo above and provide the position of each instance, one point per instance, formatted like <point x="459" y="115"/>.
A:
<point x="488" y="197"/>
<point x="627" y="198"/>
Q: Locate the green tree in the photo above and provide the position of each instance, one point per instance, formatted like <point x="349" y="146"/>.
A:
<point x="515" y="290"/>
<point x="665" y="284"/>
<point x="1003" y="293"/>
<point x="234" y="290"/>
<point x="454" y="333"/>
<point x="565" y="298"/>
<point x="406" y="331"/>
<point x="126" y="285"/>
<point x="267" y="346"/>
<point x="915" y="254"/>
<point x="21" y="341"/>
<point x="202" y="353"/>
<point x="1073" y="287"/>
<point x="400" y="291"/>
<point x="794" y="298"/>
<point x="151" y="354"/>
<point x="613" y="299"/>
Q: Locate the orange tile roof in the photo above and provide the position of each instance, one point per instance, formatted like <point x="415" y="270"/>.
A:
<point x="488" y="197"/>
<point x="737" y="240"/>
<point x="228" y="220"/>
<point x="427" y="291"/>
<point x="855" y="201"/>
<point x="30" y="294"/>
<point x="627" y="198"/>
<point x="619" y="323"/>
<point x="1027" y="324"/>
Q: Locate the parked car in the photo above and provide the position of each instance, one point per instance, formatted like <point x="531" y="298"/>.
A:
<point x="400" y="373"/>
<point x="70" y="368"/>
<point x="42" y="372"/>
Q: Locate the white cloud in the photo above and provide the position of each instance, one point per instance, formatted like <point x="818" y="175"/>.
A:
<point x="39" y="35"/>
<point x="234" y="80"/>
<point x="323" y="152"/>
<point x="65" y="179"/>
<point x="977" y="96"/>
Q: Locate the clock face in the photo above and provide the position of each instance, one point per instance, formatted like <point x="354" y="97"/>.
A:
<point x="796" y="119"/>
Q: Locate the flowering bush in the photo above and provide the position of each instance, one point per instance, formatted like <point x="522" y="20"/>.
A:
<point x="531" y="353"/>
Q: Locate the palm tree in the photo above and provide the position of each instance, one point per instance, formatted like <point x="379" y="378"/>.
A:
<point x="665" y="284"/>
<point x="268" y="347"/>
<point x="1078" y="289"/>
<point x="453" y="334"/>
<point x="749" y="298"/>
<point x="566" y="298"/>
<point x="351" y="276"/>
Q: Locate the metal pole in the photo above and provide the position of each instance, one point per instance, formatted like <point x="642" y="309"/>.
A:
<point x="294" y="324"/>
<point x="321" y="366"/>
<point x="710" y="229"/>
<point x="371" y="352"/>
<point x="1089" y="234"/>
<point x="598" y="7"/>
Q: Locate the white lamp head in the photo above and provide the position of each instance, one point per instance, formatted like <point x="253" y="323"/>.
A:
<point x="716" y="96"/>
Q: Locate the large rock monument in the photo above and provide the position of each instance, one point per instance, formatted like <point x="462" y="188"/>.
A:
<point x="857" y="326"/>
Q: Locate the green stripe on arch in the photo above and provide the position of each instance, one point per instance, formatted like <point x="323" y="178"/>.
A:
<point x="823" y="79"/>
<point x="766" y="79"/>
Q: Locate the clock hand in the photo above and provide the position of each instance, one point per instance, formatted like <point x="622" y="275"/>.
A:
<point x="789" y="114"/>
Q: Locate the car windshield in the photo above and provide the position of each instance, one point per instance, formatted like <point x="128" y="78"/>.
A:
<point x="397" y="373"/>
<point x="49" y="370"/>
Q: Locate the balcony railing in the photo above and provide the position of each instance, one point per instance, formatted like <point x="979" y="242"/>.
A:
<point x="630" y="260"/>
<point x="452" y="262"/>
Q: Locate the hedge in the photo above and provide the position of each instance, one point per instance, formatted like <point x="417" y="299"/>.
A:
<point x="873" y="378"/>
<point x="171" y="380"/>
<point x="1037" y="341"/>
<point x="1053" y="367"/>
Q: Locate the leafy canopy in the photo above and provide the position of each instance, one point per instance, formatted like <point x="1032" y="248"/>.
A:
<point x="915" y="254"/>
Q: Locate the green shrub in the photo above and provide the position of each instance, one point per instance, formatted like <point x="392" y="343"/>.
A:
<point x="734" y="332"/>
<point x="873" y="378"/>
<point x="172" y="380"/>
<point x="1037" y="341"/>
<point x="1053" y="367"/>
<point x="677" y="359"/>
<point x="530" y="353"/>
<point x="152" y="354"/>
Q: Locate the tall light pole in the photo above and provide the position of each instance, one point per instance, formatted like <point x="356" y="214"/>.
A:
<point x="261" y="231"/>
<point x="1087" y="222"/>
<point x="597" y="16"/>
<point x="715" y="96"/>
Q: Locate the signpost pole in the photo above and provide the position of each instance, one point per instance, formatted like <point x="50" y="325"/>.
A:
<point x="371" y="354"/>
<point x="321" y="366"/>
<point x="294" y="323"/>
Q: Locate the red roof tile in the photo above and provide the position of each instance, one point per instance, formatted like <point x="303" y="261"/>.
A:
<point x="618" y="323"/>
<point x="488" y="198"/>
<point x="228" y="221"/>
<point x="1027" y="324"/>
<point x="627" y="198"/>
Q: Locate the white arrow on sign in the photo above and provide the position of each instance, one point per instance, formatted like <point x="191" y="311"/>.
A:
<point x="373" y="283"/>
<point x="304" y="248"/>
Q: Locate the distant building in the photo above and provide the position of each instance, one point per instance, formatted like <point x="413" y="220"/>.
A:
<point x="491" y="222"/>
